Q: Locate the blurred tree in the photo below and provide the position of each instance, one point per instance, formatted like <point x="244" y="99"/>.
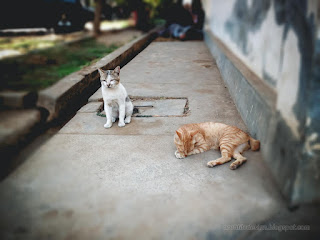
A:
<point x="97" y="17"/>
<point x="144" y="11"/>
<point x="155" y="7"/>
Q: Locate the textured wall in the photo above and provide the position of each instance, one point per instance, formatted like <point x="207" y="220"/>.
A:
<point x="278" y="41"/>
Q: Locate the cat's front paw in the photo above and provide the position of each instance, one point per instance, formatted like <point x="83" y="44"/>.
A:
<point x="237" y="164"/>
<point x="127" y="120"/>
<point x="108" y="125"/>
<point x="179" y="155"/>
<point x="213" y="163"/>
<point x="234" y="166"/>
<point x="121" y="124"/>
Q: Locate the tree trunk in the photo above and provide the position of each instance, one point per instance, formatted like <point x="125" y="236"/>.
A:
<point x="97" y="14"/>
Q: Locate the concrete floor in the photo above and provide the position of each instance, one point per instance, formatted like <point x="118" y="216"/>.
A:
<point x="88" y="182"/>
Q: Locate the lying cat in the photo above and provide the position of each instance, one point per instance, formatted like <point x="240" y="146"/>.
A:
<point x="200" y="137"/>
<point x="116" y="100"/>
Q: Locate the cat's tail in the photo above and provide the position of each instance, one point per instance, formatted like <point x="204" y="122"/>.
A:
<point x="254" y="144"/>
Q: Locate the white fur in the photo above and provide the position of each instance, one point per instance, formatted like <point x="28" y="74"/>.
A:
<point x="241" y="148"/>
<point x="178" y="154"/>
<point x="115" y="104"/>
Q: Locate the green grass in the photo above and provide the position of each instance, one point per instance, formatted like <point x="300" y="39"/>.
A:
<point x="41" y="69"/>
<point x="25" y="45"/>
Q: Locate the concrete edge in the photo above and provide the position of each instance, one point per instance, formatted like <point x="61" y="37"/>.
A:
<point x="266" y="93"/>
<point x="32" y="117"/>
<point x="71" y="92"/>
<point x="256" y="103"/>
<point x="17" y="133"/>
<point x="245" y="88"/>
<point x="18" y="100"/>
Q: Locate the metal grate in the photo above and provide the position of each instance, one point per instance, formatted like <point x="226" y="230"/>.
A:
<point x="157" y="107"/>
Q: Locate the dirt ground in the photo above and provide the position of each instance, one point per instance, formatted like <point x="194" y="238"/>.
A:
<point x="17" y="45"/>
<point x="119" y="37"/>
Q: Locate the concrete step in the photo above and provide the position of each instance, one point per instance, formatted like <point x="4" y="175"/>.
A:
<point x="16" y="127"/>
<point x="16" y="123"/>
<point x="18" y="99"/>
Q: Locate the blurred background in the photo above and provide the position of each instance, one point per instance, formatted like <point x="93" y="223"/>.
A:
<point x="42" y="41"/>
<point x="72" y="15"/>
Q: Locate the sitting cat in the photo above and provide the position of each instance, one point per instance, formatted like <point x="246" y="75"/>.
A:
<point x="116" y="100"/>
<point x="200" y="137"/>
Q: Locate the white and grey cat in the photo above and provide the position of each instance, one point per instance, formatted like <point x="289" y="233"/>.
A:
<point x="117" y="103"/>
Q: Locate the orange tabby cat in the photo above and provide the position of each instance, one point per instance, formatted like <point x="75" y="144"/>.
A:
<point x="200" y="137"/>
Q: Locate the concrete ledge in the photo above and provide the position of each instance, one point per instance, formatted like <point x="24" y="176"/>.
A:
<point x="71" y="92"/>
<point x="16" y="129"/>
<point x="256" y="102"/>
<point x="17" y="100"/>
<point x="245" y="88"/>
<point x="16" y="123"/>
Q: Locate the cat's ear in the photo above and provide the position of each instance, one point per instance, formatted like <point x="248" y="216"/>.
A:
<point x="193" y="133"/>
<point x="117" y="70"/>
<point x="179" y="134"/>
<point x="101" y="72"/>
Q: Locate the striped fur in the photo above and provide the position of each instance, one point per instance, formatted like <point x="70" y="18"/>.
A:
<point x="199" y="137"/>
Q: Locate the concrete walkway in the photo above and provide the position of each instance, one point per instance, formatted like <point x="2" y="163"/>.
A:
<point x="88" y="182"/>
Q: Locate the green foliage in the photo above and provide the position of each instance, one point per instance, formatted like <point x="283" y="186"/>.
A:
<point x="24" y="45"/>
<point x="41" y="69"/>
<point x="153" y="3"/>
<point x="153" y="6"/>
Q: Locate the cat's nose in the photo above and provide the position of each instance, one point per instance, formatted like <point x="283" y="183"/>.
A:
<point x="108" y="85"/>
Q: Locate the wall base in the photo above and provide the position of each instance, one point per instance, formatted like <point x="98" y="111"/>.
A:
<point x="256" y="103"/>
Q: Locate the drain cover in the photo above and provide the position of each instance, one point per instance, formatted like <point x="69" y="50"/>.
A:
<point x="162" y="107"/>
<point x="157" y="107"/>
